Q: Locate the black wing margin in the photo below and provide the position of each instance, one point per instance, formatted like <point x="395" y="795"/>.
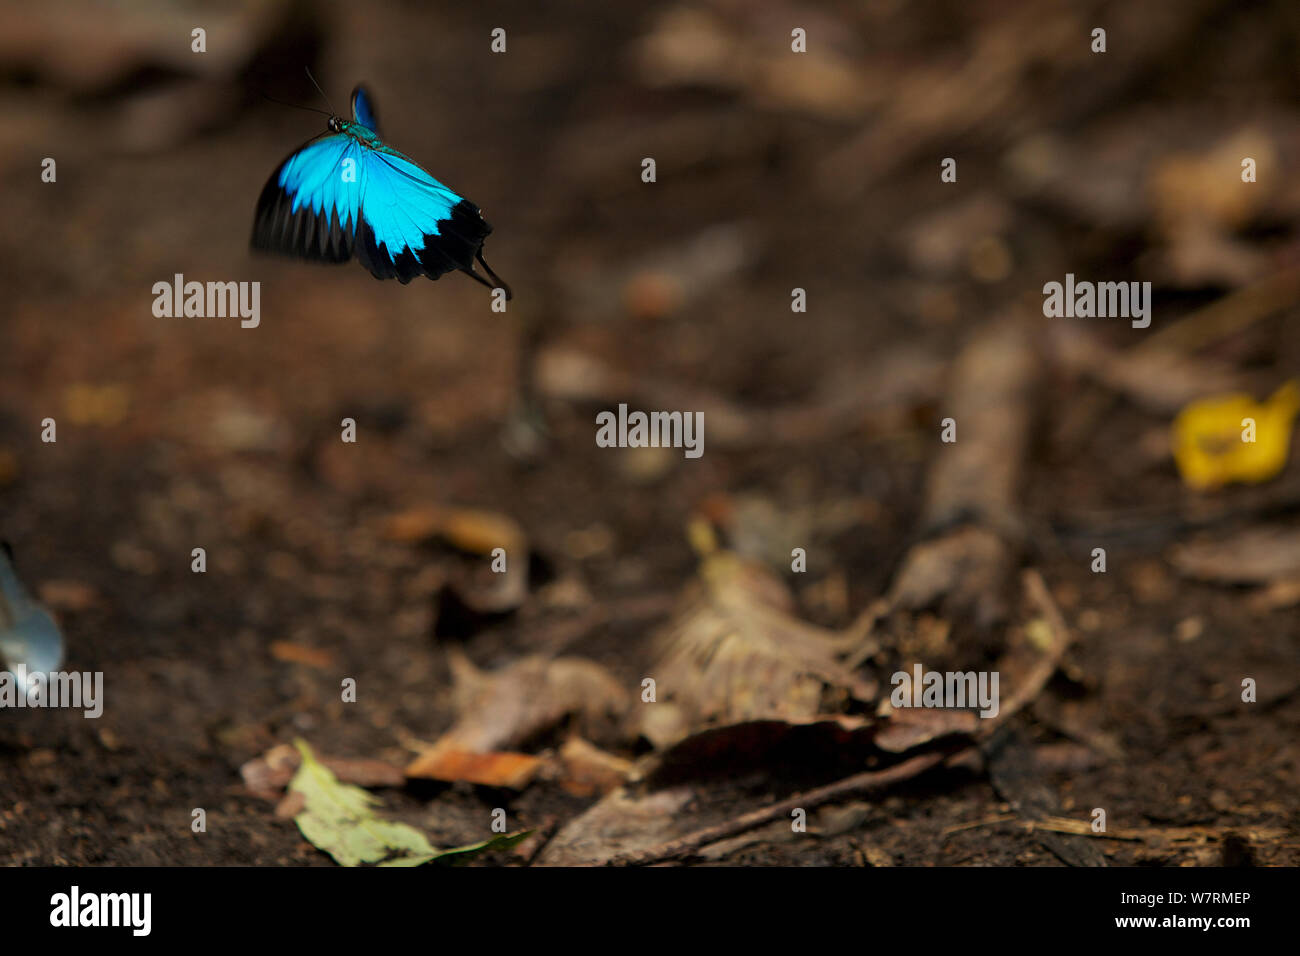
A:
<point x="305" y="234"/>
<point x="458" y="241"/>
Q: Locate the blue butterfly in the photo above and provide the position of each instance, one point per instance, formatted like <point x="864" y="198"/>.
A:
<point x="347" y="192"/>
<point x="28" y="635"/>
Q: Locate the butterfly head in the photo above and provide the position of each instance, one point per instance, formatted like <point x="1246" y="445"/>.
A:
<point x="336" y="124"/>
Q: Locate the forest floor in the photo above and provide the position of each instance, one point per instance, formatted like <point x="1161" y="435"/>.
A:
<point x="369" y="561"/>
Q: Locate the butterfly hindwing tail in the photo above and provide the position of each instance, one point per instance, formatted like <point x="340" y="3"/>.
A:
<point x="347" y="193"/>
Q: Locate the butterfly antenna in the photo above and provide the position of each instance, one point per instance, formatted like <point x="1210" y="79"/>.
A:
<point x="319" y="90"/>
<point x="499" y="282"/>
<point x="310" y="109"/>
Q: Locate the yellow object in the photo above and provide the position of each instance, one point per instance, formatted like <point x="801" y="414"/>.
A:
<point x="1228" y="438"/>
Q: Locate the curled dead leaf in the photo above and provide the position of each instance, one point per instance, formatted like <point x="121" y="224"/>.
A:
<point x="585" y="769"/>
<point x="500" y="769"/>
<point x="506" y="708"/>
<point x="474" y="531"/>
<point x="733" y="652"/>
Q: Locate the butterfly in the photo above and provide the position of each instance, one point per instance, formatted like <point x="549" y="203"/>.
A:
<point x="347" y="192"/>
<point x="29" y="638"/>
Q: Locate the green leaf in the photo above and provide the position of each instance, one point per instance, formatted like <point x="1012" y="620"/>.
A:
<point x="339" y="818"/>
<point x="459" y="854"/>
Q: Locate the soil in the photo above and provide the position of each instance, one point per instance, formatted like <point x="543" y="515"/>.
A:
<point x="183" y="433"/>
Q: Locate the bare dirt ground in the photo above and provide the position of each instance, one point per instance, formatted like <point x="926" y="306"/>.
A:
<point x="329" y="560"/>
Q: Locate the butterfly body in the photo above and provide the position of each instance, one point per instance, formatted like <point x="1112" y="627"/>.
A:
<point x="348" y="193"/>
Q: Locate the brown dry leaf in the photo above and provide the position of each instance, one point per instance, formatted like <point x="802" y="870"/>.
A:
<point x="585" y="769"/>
<point x="292" y="653"/>
<point x="911" y="727"/>
<point x="994" y="380"/>
<point x="1200" y="256"/>
<point x="267" y="776"/>
<point x="944" y="98"/>
<point x="475" y="531"/>
<point x="1033" y="654"/>
<point x="1150" y="165"/>
<point x="757" y="745"/>
<point x="1282" y="593"/>
<point x="973" y="484"/>
<point x="468" y="529"/>
<point x="1161" y="381"/>
<point x="940" y="243"/>
<point x="619" y="823"/>
<point x="624" y="828"/>
<point x="758" y="528"/>
<point x="1198" y="203"/>
<point x="68" y="595"/>
<point x="690" y="46"/>
<point x="968" y="566"/>
<point x="749" y="745"/>
<point x="733" y="653"/>
<point x="505" y="708"/>
<point x="1255" y="556"/>
<point x="499" y="769"/>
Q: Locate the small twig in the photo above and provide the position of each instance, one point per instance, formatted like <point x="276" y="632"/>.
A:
<point x="861" y="632"/>
<point x="1028" y="690"/>
<point x="867" y="781"/>
<point x="1174" y="836"/>
<point x="1232" y="314"/>
<point x="859" y="783"/>
<point x="532" y="848"/>
<point x="976" y="824"/>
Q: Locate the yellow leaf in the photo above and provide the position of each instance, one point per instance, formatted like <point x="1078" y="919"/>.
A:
<point x="1228" y="438"/>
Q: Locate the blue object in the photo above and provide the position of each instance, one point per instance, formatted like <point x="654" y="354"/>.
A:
<point x="348" y="193"/>
<point x="28" y="634"/>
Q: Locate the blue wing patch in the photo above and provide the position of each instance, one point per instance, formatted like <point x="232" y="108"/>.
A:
<point x="347" y="193"/>
<point x="28" y="635"/>
<point x="411" y="224"/>
<point x="363" y="109"/>
<point x="311" y="204"/>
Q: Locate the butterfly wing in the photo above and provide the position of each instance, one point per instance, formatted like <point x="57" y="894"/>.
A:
<point x="363" y="109"/>
<point x="28" y="635"/>
<point x="337" y="196"/>
<point x="411" y="224"/>
<point x="311" y="205"/>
